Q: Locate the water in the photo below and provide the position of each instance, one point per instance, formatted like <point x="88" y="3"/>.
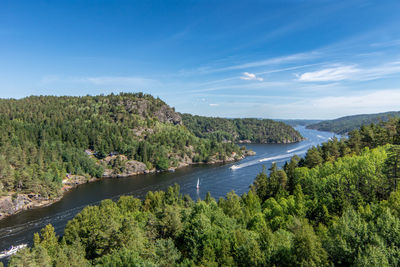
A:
<point x="217" y="179"/>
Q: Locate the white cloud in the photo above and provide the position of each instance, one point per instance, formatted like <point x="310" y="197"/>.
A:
<point x="213" y="105"/>
<point x="351" y="72"/>
<point x="387" y="44"/>
<point x="329" y="74"/>
<point x="330" y="107"/>
<point x="379" y="100"/>
<point x="251" y="77"/>
<point x="274" y="61"/>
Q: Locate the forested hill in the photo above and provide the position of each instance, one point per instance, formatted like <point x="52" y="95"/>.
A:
<point x="44" y="138"/>
<point x="338" y="206"/>
<point x="236" y="130"/>
<point x="296" y="122"/>
<point x="346" y="124"/>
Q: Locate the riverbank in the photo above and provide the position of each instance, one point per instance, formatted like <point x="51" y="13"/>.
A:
<point x="14" y="202"/>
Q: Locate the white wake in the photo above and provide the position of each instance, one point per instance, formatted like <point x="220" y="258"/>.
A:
<point x="297" y="148"/>
<point x="273" y="158"/>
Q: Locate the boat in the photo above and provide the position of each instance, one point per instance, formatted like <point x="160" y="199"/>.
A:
<point x="11" y="251"/>
<point x="234" y="167"/>
<point x="198" y="184"/>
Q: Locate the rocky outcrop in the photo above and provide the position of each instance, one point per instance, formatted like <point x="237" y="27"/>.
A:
<point x="14" y="203"/>
<point x="17" y="202"/>
<point x="120" y="166"/>
<point x="162" y="111"/>
<point x="168" y="114"/>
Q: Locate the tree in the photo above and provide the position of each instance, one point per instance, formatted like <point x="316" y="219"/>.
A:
<point x="307" y="248"/>
<point x="313" y="158"/>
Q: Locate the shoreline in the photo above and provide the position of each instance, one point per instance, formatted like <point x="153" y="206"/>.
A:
<point x="14" y="203"/>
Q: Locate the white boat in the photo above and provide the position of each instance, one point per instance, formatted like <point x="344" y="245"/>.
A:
<point x="198" y="183"/>
<point x="11" y="251"/>
<point x="234" y="167"/>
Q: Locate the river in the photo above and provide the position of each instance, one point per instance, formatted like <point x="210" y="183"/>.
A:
<point x="217" y="179"/>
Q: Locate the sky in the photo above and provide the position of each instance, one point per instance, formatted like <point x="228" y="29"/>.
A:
<point x="286" y="59"/>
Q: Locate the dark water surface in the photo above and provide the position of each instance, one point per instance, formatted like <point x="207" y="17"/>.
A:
<point x="217" y="179"/>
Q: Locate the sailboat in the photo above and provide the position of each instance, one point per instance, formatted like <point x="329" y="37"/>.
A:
<point x="198" y="184"/>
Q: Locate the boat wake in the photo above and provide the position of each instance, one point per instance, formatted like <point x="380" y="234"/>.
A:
<point x="283" y="156"/>
<point x="273" y="158"/>
<point x="297" y="148"/>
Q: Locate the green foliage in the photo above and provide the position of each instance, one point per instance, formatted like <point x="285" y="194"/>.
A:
<point x="342" y="211"/>
<point x="254" y="130"/>
<point x="43" y="138"/>
<point x="347" y="124"/>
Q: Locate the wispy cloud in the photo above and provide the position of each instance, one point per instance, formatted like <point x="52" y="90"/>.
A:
<point x="251" y="77"/>
<point x="328" y="107"/>
<point x="387" y="44"/>
<point x="381" y="100"/>
<point x="329" y="74"/>
<point x="260" y="85"/>
<point x="274" y="61"/>
<point x="351" y="72"/>
<point x="213" y="105"/>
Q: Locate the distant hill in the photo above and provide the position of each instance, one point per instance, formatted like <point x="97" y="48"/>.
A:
<point x="346" y="124"/>
<point x="241" y="130"/>
<point x="299" y="122"/>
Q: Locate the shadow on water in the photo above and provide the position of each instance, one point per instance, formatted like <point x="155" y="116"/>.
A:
<point x="217" y="179"/>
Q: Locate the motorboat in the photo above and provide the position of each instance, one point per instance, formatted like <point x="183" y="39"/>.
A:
<point x="11" y="251"/>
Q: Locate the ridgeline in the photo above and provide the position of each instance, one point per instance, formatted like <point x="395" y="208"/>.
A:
<point x="346" y="124"/>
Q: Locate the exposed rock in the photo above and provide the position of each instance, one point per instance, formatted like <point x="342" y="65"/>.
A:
<point x="119" y="166"/>
<point x="167" y="114"/>
<point x="14" y="203"/>
<point x="73" y="180"/>
<point x="249" y="153"/>
<point x="163" y="112"/>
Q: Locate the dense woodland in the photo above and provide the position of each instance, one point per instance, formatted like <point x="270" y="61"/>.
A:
<point x="253" y="130"/>
<point x="346" y="124"/>
<point x="43" y="138"/>
<point x="339" y="205"/>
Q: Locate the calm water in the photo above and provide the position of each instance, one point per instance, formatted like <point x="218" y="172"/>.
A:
<point x="218" y="179"/>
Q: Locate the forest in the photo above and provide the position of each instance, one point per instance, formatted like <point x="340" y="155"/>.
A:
<point x="346" y="124"/>
<point x="236" y="130"/>
<point x="44" y="138"/>
<point x="337" y="206"/>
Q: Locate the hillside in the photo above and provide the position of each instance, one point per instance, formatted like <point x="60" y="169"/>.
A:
<point x="338" y="206"/>
<point x="241" y="130"/>
<point x="346" y="124"/>
<point x="48" y="143"/>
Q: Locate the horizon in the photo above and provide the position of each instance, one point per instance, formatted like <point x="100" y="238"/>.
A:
<point x="281" y="60"/>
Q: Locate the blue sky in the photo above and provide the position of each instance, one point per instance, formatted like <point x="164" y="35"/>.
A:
<point x="271" y="59"/>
